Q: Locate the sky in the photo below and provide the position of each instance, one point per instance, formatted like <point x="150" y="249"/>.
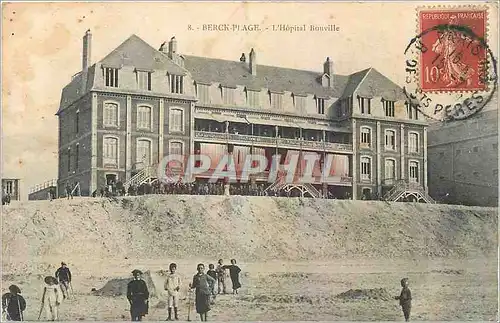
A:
<point x="42" y="45"/>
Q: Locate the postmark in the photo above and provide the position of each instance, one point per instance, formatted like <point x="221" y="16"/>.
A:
<point x="450" y="70"/>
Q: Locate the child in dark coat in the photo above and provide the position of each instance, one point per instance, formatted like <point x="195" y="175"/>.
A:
<point x="234" y="273"/>
<point x="13" y="304"/>
<point x="405" y="299"/>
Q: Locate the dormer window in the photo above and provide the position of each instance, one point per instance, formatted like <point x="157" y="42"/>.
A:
<point x="227" y="95"/>
<point x="365" y="105"/>
<point x="253" y="99"/>
<point x="176" y="83"/>
<point x="320" y="105"/>
<point x="202" y="92"/>
<point x="388" y="108"/>
<point x="300" y="103"/>
<point x="111" y="76"/>
<point x="143" y="80"/>
<point x="276" y="100"/>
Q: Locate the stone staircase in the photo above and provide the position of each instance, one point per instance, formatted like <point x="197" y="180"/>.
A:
<point x="147" y="174"/>
<point x="280" y="184"/>
<point x="403" y="189"/>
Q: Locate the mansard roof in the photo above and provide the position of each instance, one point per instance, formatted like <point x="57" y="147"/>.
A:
<point x="137" y="53"/>
<point x="232" y="73"/>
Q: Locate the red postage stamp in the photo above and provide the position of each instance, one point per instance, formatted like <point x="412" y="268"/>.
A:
<point x="453" y="56"/>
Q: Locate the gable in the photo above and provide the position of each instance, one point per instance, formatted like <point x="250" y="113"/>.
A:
<point x="374" y="84"/>
<point x="139" y="54"/>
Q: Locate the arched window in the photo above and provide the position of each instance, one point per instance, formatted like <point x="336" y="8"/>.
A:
<point x="176" y="120"/>
<point x="143" y="152"/>
<point x="366" y="134"/>
<point x="110" y="151"/>
<point x="110" y="114"/>
<point x="390" y="139"/>
<point x="144" y="117"/>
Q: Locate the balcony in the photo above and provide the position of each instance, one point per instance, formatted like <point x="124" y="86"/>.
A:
<point x="220" y="137"/>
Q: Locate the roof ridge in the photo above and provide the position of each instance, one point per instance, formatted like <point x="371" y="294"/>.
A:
<point x="271" y="66"/>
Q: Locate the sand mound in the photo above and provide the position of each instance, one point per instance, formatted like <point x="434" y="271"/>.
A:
<point x="248" y="228"/>
<point x="118" y="286"/>
<point x="365" y="294"/>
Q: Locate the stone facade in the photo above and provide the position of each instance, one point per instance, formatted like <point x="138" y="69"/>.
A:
<point x="103" y="133"/>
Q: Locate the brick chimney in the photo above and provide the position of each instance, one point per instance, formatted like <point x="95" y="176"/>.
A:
<point x="328" y="67"/>
<point x="172" y="47"/>
<point x="253" y="62"/>
<point x="87" y="45"/>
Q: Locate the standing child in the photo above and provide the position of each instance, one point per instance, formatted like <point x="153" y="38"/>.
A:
<point x="405" y="299"/>
<point x="201" y="282"/>
<point x="212" y="273"/>
<point x="13" y="304"/>
<point x="137" y="295"/>
<point x="234" y="273"/>
<point x="51" y="298"/>
<point x="221" y="277"/>
<point x="172" y="286"/>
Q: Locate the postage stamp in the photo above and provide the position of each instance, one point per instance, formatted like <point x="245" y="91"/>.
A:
<point x="451" y="71"/>
<point x="454" y="60"/>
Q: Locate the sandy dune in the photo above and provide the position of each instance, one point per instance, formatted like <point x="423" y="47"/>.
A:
<point x="297" y="255"/>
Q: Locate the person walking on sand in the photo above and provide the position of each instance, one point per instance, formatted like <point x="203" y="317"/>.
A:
<point x="63" y="274"/>
<point x="173" y="286"/>
<point x="221" y="277"/>
<point x="137" y="295"/>
<point x="51" y="298"/>
<point x="234" y="273"/>
<point x="405" y="299"/>
<point x="212" y="273"/>
<point x="13" y="304"/>
<point x="201" y="282"/>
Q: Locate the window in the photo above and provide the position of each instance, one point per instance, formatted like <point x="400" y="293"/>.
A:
<point x="144" y="80"/>
<point x="144" y="152"/>
<point x="495" y="172"/>
<point x="69" y="159"/>
<point x="9" y="187"/>
<point x="388" y="108"/>
<point x="77" y="121"/>
<point x="413" y="172"/>
<point x="227" y="95"/>
<point x="77" y="155"/>
<point x="476" y="174"/>
<point x="111" y="76"/>
<point x="495" y="146"/>
<point x="413" y="142"/>
<point x="365" y="168"/>
<point x="110" y="151"/>
<point x="144" y="117"/>
<point x="390" y="139"/>
<point x="365" y="136"/>
<point x="412" y="112"/>
<point x="475" y="149"/>
<point x="176" y="148"/>
<point x="110" y="114"/>
<point x="300" y="103"/>
<point x="202" y="91"/>
<point x="320" y="105"/>
<point x="176" y="83"/>
<point x="390" y="169"/>
<point x="276" y="100"/>
<point x="253" y="99"/>
<point x="365" y="105"/>
<point x="176" y="120"/>
<point x="458" y="152"/>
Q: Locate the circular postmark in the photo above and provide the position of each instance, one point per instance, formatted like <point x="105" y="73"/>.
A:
<point x="451" y="73"/>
